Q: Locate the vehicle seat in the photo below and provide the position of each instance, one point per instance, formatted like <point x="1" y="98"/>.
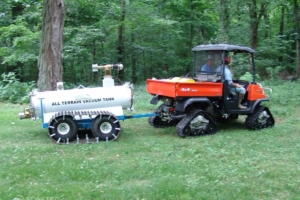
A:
<point x="229" y="95"/>
<point x="208" y="77"/>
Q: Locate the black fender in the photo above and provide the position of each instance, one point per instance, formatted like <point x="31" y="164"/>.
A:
<point x="257" y="103"/>
<point x="155" y="100"/>
<point x="182" y="104"/>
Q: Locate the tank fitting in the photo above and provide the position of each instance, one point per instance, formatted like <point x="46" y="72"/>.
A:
<point x="108" y="81"/>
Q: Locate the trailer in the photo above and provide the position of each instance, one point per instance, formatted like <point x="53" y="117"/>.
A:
<point x="99" y="109"/>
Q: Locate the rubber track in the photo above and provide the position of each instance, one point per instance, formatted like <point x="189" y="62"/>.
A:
<point x="80" y="114"/>
<point x="251" y="121"/>
<point x="186" y="120"/>
<point x="160" y="123"/>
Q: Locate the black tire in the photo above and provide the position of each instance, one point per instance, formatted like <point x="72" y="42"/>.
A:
<point x="160" y="121"/>
<point x="62" y="129"/>
<point x="156" y="121"/>
<point x="204" y="126"/>
<point x="106" y="127"/>
<point x="261" y="118"/>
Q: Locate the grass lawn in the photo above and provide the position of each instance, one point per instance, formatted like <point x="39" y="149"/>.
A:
<point x="149" y="163"/>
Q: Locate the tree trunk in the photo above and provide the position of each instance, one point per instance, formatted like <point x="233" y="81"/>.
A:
<point x="133" y="60"/>
<point x="267" y="24"/>
<point x="50" y="57"/>
<point x="191" y="33"/>
<point x="17" y="9"/>
<point x="296" y="10"/>
<point x="191" y="24"/>
<point x="120" y="38"/>
<point x="281" y="29"/>
<point x="94" y="75"/>
<point x="224" y="16"/>
<point x="281" y="24"/>
<point x="255" y="17"/>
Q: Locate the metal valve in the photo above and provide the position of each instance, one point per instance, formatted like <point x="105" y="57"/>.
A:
<point x="26" y="114"/>
<point x="107" y="78"/>
<point x="95" y="67"/>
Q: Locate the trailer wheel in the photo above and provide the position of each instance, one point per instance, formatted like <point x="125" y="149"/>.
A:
<point x="106" y="127"/>
<point x="62" y="129"/>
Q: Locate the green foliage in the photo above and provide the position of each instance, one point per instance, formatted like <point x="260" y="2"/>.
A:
<point x="20" y="48"/>
<point x="240" y="64"/>
<point x="157" y="37"/>
<point x="275" y="56"/>
<point x="69" y="85"/>
<point x="13" y="91"/>
<point x="25" y="45"/>
<point x="273" y="72"/>
<point x="284" y="93"/>
<point x="249" y="77"/>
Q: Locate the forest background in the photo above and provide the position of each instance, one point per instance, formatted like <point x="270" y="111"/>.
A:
<point x="152" y="38"/>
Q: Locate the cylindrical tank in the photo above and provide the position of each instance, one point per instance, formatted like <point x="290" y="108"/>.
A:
<point x="80" y="99"/>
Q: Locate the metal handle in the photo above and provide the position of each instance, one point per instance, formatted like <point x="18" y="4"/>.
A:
<point x="270" y="91"/>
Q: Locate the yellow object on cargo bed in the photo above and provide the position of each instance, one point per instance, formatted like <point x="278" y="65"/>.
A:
<point x="182" y="80"/>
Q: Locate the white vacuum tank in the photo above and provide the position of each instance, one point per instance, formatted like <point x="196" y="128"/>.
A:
<point x="81" y="99"/>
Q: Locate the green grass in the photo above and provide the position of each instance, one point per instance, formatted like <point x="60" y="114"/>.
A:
<point x="149" y="163"/>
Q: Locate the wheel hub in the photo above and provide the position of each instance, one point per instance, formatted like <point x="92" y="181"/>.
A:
<point x="63" y="128"/>
<point x="199" y="122"/>
<point x="105" y="127"/>
<point x="263" y="117"/>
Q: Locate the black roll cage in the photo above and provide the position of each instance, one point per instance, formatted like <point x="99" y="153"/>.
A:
<point x="225" y="49"/>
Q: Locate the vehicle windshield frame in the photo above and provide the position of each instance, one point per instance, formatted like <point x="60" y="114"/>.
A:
<point x="222" y="50"/>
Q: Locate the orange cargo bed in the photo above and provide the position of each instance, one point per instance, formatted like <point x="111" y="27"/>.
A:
<point x="184" y="89"/>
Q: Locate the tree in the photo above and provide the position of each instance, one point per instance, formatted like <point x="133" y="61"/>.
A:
<point x="296" y="13"/>
<point x="281" y="26"/>
<point x="50" y="57"/>
<point x="120" y="47"/>
<point x="225" y="20"/>
<point x="255" y="17"/>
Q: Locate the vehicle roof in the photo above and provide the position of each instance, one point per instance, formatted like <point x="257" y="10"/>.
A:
<point x="224" y="47"/>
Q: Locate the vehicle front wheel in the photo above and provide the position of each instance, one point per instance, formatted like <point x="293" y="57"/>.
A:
<point x="261" y="118"/>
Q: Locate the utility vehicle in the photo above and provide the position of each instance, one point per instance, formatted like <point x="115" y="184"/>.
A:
<point x="194" y="103"/>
